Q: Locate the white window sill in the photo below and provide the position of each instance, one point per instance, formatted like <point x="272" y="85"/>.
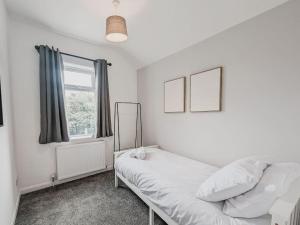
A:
<point x="80" y="141"/>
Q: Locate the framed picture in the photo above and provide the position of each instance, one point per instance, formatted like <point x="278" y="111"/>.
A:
<point x="205" y="90"/>
<point x="1" y="110"/>
<point x="174" y="95"/>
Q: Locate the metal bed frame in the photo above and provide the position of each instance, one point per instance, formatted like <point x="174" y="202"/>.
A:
<point x="138" y="120"/>
<point x="284" y="211"/>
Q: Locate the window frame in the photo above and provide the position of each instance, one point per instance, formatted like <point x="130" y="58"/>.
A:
<point x="70" y="68"/>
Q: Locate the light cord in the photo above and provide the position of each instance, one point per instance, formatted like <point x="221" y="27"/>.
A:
<point x="116" y="4"/>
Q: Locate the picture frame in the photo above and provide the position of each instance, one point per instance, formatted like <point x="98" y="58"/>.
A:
<point x="174" y="95"/>
<point x="206" y="90"/>
<point x="1" y="109"/>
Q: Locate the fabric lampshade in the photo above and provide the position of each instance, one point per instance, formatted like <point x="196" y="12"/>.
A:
<point x="116" y="30"/>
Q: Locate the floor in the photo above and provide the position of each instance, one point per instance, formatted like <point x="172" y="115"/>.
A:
<point x="89" y="201"/>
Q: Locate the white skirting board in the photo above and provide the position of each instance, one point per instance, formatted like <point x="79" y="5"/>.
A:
<point x="14" y="217"/>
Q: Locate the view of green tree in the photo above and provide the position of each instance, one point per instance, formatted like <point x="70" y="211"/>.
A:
<point x="80" y="112"/>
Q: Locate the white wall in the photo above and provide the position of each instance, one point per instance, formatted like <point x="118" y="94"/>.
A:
<point x="8" y="189"/>
<point x="261" y="92"/>
<point x="36" y="163"/>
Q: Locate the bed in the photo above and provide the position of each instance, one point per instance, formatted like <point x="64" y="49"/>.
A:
<point x="167" y="183"/>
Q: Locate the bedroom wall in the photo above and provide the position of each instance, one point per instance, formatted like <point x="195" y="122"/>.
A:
<point x="8" y="190"/>
<point x="261" y="90"/>
<point x="36" y="163"/>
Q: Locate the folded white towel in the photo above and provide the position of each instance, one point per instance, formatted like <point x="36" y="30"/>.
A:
<point x="138" y="153"/>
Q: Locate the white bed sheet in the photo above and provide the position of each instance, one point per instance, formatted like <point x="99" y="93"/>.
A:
<point x="171" y="182"/>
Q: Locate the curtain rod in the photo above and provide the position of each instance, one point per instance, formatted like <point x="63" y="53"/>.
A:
<point x="76" y="56"/>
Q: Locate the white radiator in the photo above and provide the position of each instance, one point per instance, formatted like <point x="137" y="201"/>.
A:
<point x="78" y="159"/>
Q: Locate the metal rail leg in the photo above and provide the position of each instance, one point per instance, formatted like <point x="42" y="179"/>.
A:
<point x="151" y="216"/>
<point x="116" y="181"/>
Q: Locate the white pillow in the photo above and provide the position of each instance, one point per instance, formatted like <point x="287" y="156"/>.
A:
<point x="274" y="183"/>
<point x="232" y="180"/>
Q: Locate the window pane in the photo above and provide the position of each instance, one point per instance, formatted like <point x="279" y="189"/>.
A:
<point x="89" y="67"/>
<point x="81" y="113"/>
<point x="77" y="78"/>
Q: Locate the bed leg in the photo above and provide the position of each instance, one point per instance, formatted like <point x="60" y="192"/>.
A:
<point x="151" y="216"/>
<point x="116" y="181"/>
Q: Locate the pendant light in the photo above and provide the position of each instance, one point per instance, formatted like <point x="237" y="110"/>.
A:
<point x="116" y="30"/>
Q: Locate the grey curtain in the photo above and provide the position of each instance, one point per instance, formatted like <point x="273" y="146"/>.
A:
<point x="53" y="117"/>
<point x="103" y="103"/>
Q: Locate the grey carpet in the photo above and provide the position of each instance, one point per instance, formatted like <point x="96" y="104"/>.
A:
<point x="88" y="201"/>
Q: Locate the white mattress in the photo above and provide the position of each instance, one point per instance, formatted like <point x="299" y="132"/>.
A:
<point x="171" y="181"/>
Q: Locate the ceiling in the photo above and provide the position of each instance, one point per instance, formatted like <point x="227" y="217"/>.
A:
<point x="156" y="28"/>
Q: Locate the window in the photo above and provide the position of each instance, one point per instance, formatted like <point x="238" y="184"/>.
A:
<point x="80" y="98"/>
